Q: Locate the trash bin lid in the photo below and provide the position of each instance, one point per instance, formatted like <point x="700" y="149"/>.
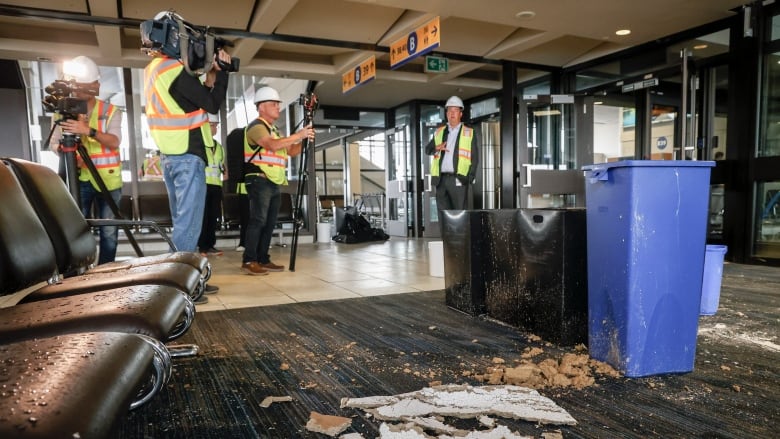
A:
<point x="650" y="164"/>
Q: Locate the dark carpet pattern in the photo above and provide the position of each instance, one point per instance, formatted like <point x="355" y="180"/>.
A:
<point x="320" y="352"/>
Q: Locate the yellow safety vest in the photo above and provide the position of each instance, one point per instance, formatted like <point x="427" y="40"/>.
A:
<point x="462" y="161"/>
<point x="168" y="124"/>
<point x="107" y="162"/>
<point x="273" y="164"/>
<point x="215" y="158"/>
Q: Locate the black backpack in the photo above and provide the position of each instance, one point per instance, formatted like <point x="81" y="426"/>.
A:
<point x="234" y="157"/>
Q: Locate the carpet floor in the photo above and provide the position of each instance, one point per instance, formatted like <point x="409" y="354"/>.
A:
<point x="320" y="352"/>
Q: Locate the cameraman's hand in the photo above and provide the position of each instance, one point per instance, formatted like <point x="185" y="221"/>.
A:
<point x="306" y="132"/>
<point x="80" y="127"/>
<point x="222" y="56"/>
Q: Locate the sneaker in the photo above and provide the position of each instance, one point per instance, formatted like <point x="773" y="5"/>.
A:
<point x="253" y="268"/>
<point x="210" y="289"/>
<point x="214" y="251"/>
<point x="240" y="248"/>
<point x="202" y="300"/>
<point x="270" y="266"/>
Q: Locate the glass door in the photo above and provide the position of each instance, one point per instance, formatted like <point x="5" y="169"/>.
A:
<point x="550" y="175"/>
<point x="398" y="206"/>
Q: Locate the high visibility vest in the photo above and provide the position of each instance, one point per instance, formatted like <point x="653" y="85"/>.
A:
<point x="273" y="164"/>
<point x="169" y="125"/>
<point x="241" y="188"/>
<point x="462" y="160"/>
<point x="107" y="162"/>
<point x="215" y="158"/>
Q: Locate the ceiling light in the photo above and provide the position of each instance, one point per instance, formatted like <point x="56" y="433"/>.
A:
<point x="597" y="103"/>
<point x="623" y="32"/>
<point x="700" y="46"/>
<point x="525" y="15"/>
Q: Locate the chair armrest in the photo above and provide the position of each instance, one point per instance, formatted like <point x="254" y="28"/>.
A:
<point x="94" y="222"/>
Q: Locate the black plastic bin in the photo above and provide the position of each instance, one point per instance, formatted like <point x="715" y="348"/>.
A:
<point x="523" y="267"/>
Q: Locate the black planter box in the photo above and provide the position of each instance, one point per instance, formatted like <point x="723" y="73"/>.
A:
<point x="523" y="267"/>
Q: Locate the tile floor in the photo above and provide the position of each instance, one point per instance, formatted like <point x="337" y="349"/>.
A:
<point x="323" y="271"/>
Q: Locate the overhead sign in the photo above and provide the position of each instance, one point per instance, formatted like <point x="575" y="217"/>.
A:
<point x="419" y="42"/>
<point x="436" y="64"/>
<point x="359" y="75"/>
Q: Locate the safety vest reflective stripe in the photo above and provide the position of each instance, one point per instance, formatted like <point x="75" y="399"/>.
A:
<point x="273" y="160"/>
<point x="158" y="115"/>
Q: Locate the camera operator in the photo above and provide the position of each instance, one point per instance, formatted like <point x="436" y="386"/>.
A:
<point x="177" y="107"/>
<point x="264" y="178"/>
<point x="100" y="131"/>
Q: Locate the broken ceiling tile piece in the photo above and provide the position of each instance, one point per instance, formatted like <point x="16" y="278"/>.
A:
<point x="268" y="400"/>
<point x="465" y="401"/>
<point x="327" y="424"/>
<point x="408" y="431"/>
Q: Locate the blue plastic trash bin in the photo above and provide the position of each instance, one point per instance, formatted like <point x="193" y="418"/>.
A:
<point x="646" y="231"/>
<point x="713" y="277"/>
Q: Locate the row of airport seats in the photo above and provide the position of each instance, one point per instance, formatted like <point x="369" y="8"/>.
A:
<point x="84" y="344"/>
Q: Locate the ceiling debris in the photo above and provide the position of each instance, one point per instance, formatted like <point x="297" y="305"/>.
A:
<point x="464" y="401"/>
<point x="327" y="424"/>
<point x="268" y="400"/>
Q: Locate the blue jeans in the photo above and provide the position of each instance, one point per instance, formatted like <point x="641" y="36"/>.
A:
<point x="108" y="234"/>
<point x="185" y="180"/>
<point x="264" y="201"/>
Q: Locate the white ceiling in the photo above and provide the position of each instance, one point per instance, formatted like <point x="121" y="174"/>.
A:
<point x="281" y="34"/>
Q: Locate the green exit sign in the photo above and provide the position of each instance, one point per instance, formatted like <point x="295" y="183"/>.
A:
<point x="436" y="64"/>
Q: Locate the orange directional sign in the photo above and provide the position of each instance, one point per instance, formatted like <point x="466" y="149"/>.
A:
<point x="359" y="75"/>
<point x="419" y="42"/>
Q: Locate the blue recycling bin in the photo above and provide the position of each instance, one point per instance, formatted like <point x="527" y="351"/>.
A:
<point x="646" y="232"/>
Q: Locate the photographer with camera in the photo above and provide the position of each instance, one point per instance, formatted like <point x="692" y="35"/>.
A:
<point x="100" y="132"/>
<point x="266" y="172"/>
<point x="177" y="107"/>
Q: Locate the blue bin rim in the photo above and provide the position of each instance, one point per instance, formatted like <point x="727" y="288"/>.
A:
<point x="650" y="164"/>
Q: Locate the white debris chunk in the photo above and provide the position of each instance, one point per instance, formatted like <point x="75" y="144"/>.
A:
<point x="500" y="432"/>
<point x="432" y="424"/>
<point x="351" y="436"/>
<point x="465" y="401"/>
<point x="487" y="421"/>
<point x="268" y="400"/>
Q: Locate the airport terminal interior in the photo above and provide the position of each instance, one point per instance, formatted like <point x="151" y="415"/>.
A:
<point x="626" y="158"/>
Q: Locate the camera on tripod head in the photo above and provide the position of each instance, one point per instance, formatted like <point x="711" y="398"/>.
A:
<point x="194" y="46"/>
<point x="309" y="103"/>
<point x="59" y="99"/>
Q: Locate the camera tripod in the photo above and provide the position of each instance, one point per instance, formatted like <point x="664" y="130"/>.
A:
<point x="308" y="102"/>
<point x="70" y="145"/>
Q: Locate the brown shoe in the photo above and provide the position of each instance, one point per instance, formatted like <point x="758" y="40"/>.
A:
<point x="270" y="266"/>
<point x="253" y="268"/>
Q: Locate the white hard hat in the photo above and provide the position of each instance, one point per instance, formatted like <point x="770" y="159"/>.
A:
<point x="266" y="94"/>
<point x="160" y="15"/>
<point x="213" y="118"/>
<point x="81" y="69"/>
<point x="454" y="101"/>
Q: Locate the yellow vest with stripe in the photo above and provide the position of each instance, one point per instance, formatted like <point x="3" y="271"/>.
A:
<point x="215" y="157"/>
<point x="107" y="162"/>
<point x="273" y="164"/>
<point x="462" y="161"/>
<point x="168" y="123"/>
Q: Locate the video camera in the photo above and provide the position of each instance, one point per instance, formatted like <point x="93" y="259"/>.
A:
<point x="59" y="99"/>
<point x="309" y="103"/>
<point x="194" y="45"/>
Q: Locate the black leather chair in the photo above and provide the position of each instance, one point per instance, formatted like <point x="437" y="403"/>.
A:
<point x="78" y="385"/>
<point x="27" y="258"/>
<point x="71" y="233"/>
<point x="63" y="225"/>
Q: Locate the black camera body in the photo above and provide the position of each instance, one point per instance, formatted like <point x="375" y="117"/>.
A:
<point x="59" y="99"/>
<point x="193" y="45"/>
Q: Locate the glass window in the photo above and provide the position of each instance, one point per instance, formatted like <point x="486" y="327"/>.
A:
<point x="614" y="131"/>
<point x="774" y="34"/>
<point x="769" y="142"/>
<point x="768" y="220"/>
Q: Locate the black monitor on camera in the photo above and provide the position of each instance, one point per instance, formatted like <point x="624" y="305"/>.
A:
<point x="193" y="45"/>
